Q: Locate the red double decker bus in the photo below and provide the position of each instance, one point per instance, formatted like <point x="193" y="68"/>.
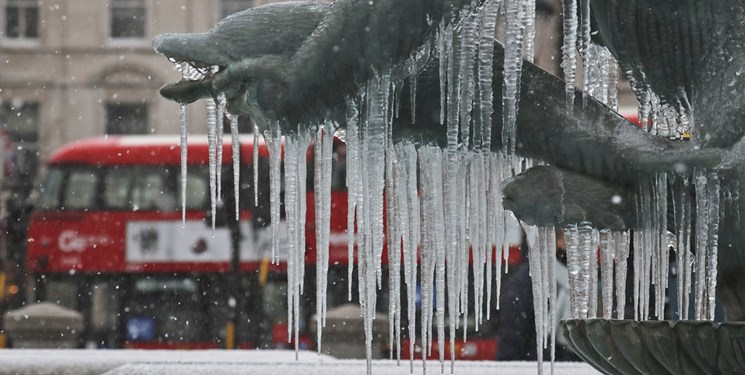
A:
<point x="106" y="238"/>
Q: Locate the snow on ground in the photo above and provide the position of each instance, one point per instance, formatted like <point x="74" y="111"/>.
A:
<point x="223" y="362"/>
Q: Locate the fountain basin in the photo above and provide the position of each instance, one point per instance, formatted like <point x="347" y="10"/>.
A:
<point x="658" y="347"/>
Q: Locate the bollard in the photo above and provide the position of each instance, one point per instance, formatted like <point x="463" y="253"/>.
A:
<point x="344" y="322"/>
<point x="43" y="326"/>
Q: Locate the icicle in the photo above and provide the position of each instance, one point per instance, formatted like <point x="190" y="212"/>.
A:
<point x="445" y="50"/>
<point x="291" y="210"/>
<point x="529" y="23"/>
<point x="462" y="224"/>
<point x="304" y="140"/>
<point x="397" y="228"/>
<point x="552" y="291"/>
<point x="406" y="172"/>
<point x="221" y="103"/>
<point x="638" y="256"/>
<point x="512" y="71"/>
<point x="322" y="198"/>
<point x="712" y="252"/>
<point x="296" y="147"/>
<point x="682" y="204"/>
<point x="597" y="81"/>
<point x="352" y="181"/>
<point x="481" y="243"/>
<point x="495" y="217"/>
<point x="402" y="237"/>
<point x="486" y="70"/>
<point x="606" y="271"/>
<point x="571" y="238"/>
<point x="592" y="311"/>
<point x="663" y="248"/>
<point x="645" y="247"/>
<point x="255" y="159"/>
<point x="184" y="153"/>
<point x="643" y="96"/>
<point x="212" y="146"/>
<point x="374" y="137"/>
<point x="273" y="139"/>
<point x="430" y="206"/>
<point x="702" y="233"/>
<point x="453" y="260"/>
<point x="377" y="107"/>
<point x="544" y="251"/>
<point x="328" y="152"/>
<point x="472" y="223"/>
<point x="412" y="86"/>
<point x="613" y="71"/>
<point x="621" y="240"/>
<point x="484" y="231"/>
<point x="393" y="244"/>
<point x="440" y="246"/>
<point x="568" y="49"/>
<point x="586" y="259"/>
<point x="536" y="274"/>
<point x="433" y="248"/>
<point x="586" y="49"/>
<point x="468" y="46"/>
<point x="366" y="270"/>
<point x="236" y="148"/>
<point x="453" y="154"/>
<point x="402" y="216"/>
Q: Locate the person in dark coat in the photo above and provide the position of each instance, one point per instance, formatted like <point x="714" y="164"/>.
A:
<point x="516" y="329"/>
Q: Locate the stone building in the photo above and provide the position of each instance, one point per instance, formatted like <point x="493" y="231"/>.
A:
<point x="71" y="69"/>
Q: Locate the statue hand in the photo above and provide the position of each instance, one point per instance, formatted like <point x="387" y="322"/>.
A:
<point x="251" y="49"/>
<point x="255" y="86"/>
<point x="551" y="196"/>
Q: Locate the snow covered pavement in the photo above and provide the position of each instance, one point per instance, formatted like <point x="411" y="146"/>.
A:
<point x="218" y="362"/>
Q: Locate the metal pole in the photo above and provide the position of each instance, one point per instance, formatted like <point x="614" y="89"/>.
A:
<point x="233" y="225"/>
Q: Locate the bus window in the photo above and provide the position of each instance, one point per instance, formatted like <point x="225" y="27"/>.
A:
<point x="50" y="189"/>
<point x="151" y="192"/>
<point x="152" y="188"/>
<point x="80" y="192"/>
<point x="116" y="189"/>
<point x="197" y="187"/>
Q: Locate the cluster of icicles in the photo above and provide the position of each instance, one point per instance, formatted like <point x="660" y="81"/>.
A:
<point x="436" y="209"/>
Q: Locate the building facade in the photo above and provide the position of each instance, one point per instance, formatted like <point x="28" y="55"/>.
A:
<point x="71" y="69"/>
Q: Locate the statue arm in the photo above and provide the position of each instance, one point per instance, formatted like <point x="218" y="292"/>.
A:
<point x="593" y="140"/>
<point x="355" y="39"/>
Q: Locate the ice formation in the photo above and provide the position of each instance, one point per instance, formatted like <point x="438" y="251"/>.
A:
<point x="445" y="205"/>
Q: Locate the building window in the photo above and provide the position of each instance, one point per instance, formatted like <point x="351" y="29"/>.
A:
<point x="228" y="7"/>
<point x="126" y="118"/>
<point x="19" y="136"/>
<point x="21" y="120"/>
<point x="127" y="19"/>
<point x="22" y="19"/>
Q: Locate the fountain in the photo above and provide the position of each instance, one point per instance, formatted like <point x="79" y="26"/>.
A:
<point x="407" y="82"/>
